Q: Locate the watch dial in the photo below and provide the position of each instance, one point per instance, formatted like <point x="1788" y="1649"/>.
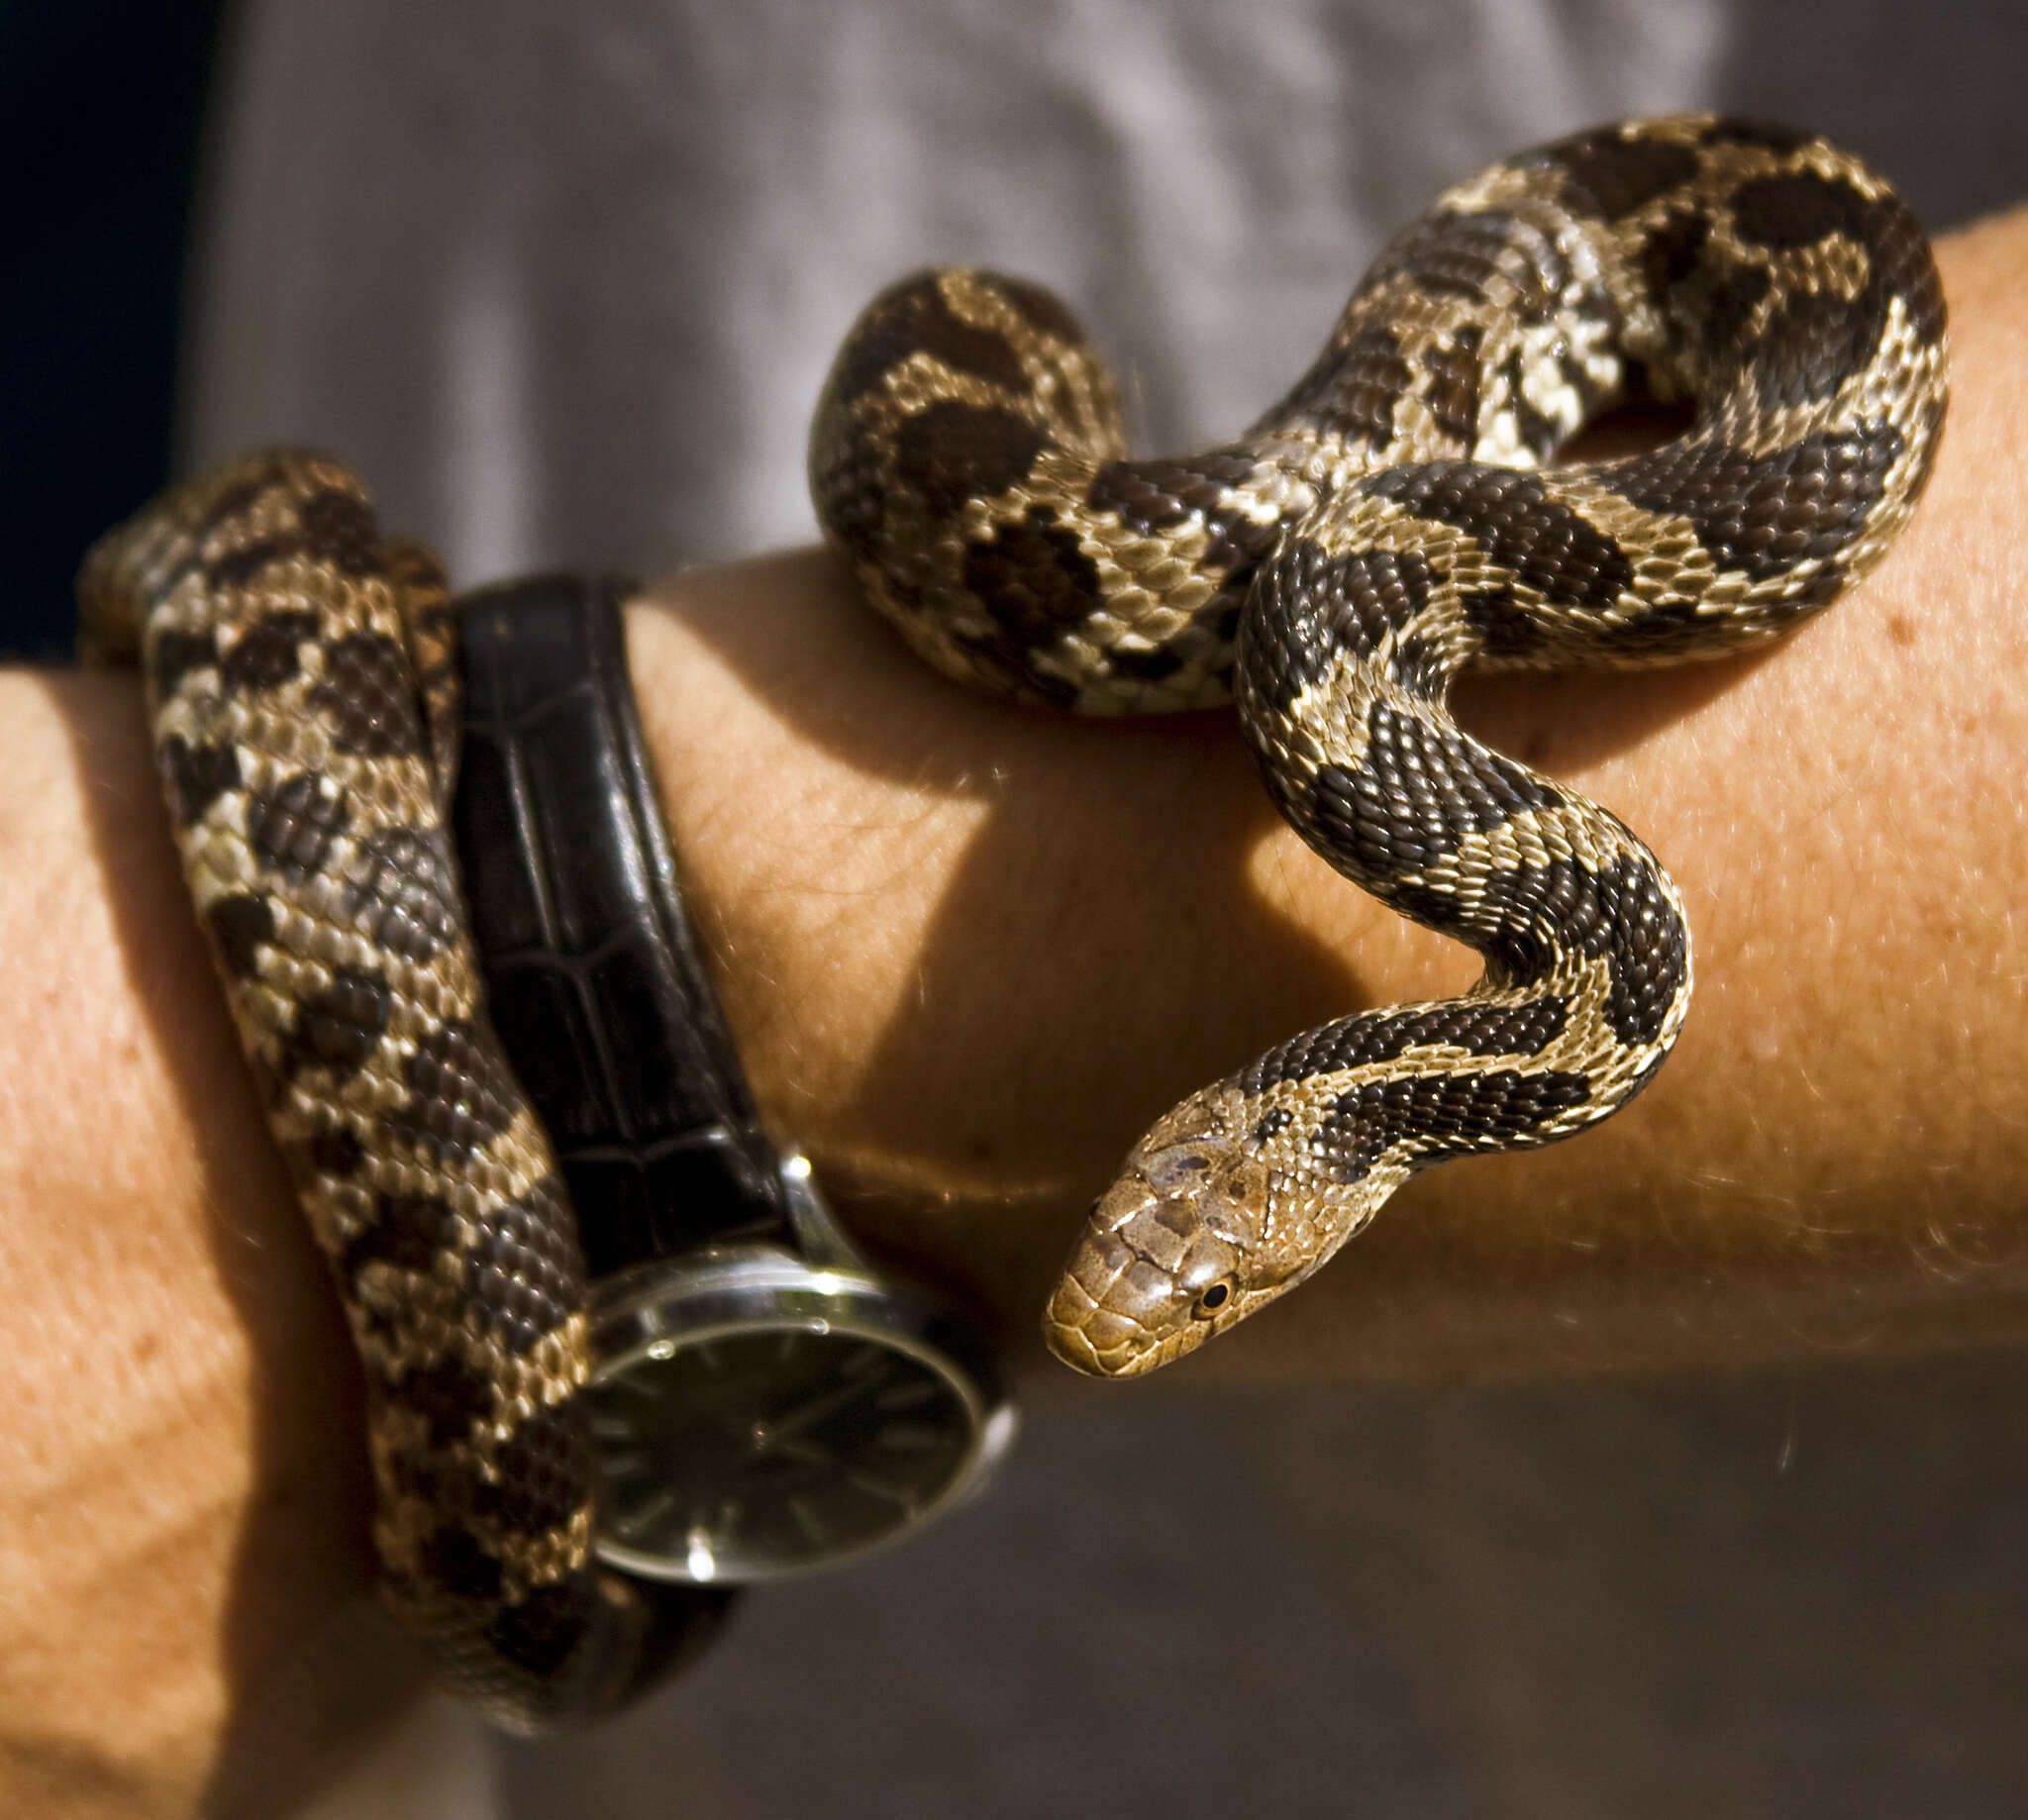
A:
<point x="755" y="1452"/>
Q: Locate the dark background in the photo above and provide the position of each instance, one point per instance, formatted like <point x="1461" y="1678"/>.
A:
<point x="101" y="105"/>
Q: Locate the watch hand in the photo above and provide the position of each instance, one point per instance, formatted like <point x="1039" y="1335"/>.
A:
<point x="773" y="1441"/>
<point x="810" y="1412"/>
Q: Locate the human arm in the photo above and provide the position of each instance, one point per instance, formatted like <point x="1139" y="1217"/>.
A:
<point x="969" y="953"/>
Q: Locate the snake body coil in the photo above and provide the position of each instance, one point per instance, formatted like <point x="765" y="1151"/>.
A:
<point x="299" y="679"/>
<point x="1385" y="525"/>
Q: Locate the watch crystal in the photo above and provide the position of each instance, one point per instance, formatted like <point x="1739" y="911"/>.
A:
<point x="746" y="1453"/>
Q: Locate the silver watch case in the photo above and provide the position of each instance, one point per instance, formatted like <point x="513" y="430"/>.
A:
<point x="648" y="1314"/>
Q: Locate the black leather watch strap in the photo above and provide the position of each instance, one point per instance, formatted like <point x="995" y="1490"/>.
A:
<point x="597" y="986"/>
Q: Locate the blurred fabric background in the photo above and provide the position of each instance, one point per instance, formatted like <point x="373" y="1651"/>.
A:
<point x="564" y="281"/>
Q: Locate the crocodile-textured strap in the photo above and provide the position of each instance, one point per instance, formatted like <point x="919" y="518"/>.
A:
<point x="598" y="989"/>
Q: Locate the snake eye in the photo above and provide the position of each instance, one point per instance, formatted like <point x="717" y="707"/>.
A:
<point x="1212" y="1301"/>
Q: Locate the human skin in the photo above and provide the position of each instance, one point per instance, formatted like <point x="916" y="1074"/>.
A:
<point x="969" y="952"/>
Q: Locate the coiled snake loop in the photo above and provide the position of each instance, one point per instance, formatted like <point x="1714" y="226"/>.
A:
<point x="1387" y="524"/>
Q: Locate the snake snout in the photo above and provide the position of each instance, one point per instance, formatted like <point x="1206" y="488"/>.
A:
<point x="1149" y="1275"/>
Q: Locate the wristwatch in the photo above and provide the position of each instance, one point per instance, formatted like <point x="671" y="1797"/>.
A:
<point x="765" y="1401"/>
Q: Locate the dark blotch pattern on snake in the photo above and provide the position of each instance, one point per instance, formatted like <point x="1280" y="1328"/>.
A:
<point x="1387" y="524"/>
<point x="300" y="675"/>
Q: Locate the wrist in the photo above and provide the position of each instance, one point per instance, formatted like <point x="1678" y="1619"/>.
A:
<point x="923" y="970"/>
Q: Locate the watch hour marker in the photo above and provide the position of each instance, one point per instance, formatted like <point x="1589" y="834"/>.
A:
<point x="873" y="1489"/>
<point x="647" y="1515"/>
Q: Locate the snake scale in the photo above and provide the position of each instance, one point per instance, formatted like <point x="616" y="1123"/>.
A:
<point x="1388" y="522"/>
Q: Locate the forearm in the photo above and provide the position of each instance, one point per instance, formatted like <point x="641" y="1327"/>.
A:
<point x="974" y="952"/>
<point x="184" y="1572"/>
<point x="971" y="952"/>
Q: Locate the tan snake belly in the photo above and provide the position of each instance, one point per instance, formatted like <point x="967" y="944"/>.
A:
<point x="1387" y="524"/>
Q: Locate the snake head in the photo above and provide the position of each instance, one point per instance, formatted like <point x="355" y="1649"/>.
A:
<point x="1180" y="1247"/>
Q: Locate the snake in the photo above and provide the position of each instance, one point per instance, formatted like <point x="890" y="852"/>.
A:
<point x="1394" y="517"/>
<point x="1398" y="516"/>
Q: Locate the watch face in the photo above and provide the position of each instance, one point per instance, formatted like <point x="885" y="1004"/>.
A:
<point x="739" y="1453"/>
